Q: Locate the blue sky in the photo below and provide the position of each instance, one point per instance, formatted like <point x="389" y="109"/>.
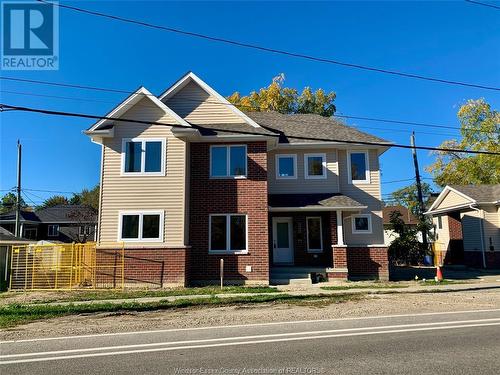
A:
<point x="453" y="40"/>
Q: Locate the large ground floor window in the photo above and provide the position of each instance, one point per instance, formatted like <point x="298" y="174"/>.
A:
<point x="146" y="226"/>
<point x="228" y="233"/>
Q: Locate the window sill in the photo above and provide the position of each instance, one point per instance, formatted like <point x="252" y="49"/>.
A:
<point x="360" y="182"/>
<point x="227" y="252"/>
<point x="362" y="232"/>
<point x="286" y="178"/>
<point x="228" y="177"/>
<point x="312" y="251"/>
<point x="315" y="177"/>
<point x="141" y="174"/>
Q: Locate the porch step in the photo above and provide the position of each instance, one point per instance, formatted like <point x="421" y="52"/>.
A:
<point x="294" y="275"/>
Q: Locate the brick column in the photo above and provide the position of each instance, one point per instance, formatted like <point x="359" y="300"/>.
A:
<point x="339" y="251"/>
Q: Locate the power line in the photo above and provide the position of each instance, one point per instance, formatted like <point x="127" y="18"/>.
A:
<point x="272" y="50"/>
<point x="483" y="4"/>
<point x="370" y="143"/>
<point x="152" y="106"/>
<point x="52" y="191"/>
<point x="94" y="88"/>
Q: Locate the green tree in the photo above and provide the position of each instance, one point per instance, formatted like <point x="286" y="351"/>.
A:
<point x="480" y="130"/>
<point x="9" y="203"/>
<point x="405" y="248"/>
<point x="55" y="200"/>
<point x="408" y="197"/>
<point x="276" y="97"/>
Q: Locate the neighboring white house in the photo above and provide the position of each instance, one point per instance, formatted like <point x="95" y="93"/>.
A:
<point x="467" y="221"/>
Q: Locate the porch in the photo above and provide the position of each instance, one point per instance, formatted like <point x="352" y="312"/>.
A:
<point x="306" y="237"/>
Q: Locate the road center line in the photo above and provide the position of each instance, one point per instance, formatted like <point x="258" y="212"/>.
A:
<point x="240" y="338"/>
<point x="249" y="325"/>
<point x="242" y="343"/>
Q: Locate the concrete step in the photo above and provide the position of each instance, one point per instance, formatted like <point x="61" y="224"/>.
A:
<point x="294" y="281"/>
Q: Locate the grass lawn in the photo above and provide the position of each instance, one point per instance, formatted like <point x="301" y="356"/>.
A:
<point x="14" y="314"/>
<point x="91" y="295"/>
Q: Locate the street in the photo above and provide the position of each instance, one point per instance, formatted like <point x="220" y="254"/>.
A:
<point x="427" y="343"/>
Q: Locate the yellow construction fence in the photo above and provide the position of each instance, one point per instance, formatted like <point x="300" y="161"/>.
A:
<point x="65" y="267"/>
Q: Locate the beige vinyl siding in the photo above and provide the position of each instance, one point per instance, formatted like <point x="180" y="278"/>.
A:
<point x="165" y="193"/>
<point x="443" y="234"/>
<point x="452" y="199"/>
<point x="196" y="106"/>
<point x="301" y="185"/>
<point x="492" y="227"/>
<point x="471" y="230"/>
<point x="368" y="194"/>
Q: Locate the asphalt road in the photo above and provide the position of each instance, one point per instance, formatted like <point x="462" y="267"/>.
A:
<point x="431" y="343"/>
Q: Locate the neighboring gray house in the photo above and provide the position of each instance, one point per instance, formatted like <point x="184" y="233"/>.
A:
<point x="61" y="223"/>
<point x="467" y="221"/>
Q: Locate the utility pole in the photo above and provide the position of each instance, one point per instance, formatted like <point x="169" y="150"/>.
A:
<point x="420" y="197"/>
<point x="18" y="189"/>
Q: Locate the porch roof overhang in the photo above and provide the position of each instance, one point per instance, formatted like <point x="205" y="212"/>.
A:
<point x="313" y="202"/>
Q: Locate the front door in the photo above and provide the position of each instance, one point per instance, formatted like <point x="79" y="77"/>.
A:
<point x="282" y="240"/>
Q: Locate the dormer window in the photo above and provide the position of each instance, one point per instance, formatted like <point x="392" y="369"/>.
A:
<point x="143" y="156"/>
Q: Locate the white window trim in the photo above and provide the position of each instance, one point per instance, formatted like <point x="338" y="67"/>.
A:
<point x="277" y="166"/>
<point x="143" y="158"/>
<point x="52" y="226"/>
<point x="439" y="222"/>
<point x="228" y="162"/>
<point x="367" y="164"/>
<point x="141" y="213"/>
<point x="306" y="166"/>
<point x="309" y="250"/>
<point x="228" y="234"/>
<point x="353" y="224"/>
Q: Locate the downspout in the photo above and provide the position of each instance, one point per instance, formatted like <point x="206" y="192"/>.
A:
<point x="482" y="232"/>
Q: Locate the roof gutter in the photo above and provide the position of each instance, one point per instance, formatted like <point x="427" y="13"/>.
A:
<point x="481" y="229"/>
<point x="322" y="208"/>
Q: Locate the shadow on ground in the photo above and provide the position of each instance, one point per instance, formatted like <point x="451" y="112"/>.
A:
<point x="406" y="273"/>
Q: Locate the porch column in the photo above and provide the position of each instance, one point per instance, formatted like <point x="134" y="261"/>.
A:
<point x="340" y="229"/>
<point x="339" y="250"/>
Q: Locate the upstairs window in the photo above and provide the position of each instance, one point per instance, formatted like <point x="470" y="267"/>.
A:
<point x="143" y="156"/>
<point x="53" y="230"/>
<point x="141" y="226"/>
<point x="286" y="166"/>
<point x="362" y="224"/>
<point x="358" y="167"/>
<point x="315" y="166"/>
<point x="228" y="233"/>
<point x="228" y="161"/>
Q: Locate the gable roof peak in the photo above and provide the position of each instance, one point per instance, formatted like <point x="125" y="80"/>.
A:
<point x="192" y="77"/>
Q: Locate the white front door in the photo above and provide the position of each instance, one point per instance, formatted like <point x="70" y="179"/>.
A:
<point x="282" y="240"/>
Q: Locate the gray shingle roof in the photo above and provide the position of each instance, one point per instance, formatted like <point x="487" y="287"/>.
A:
<point x="25" y="216"/>
<point x="312" y="200"/>
<point x="309" y="125"/>
<point x="480" y="193"/>
<point x="5" y="235"/>
<point x="208" y="129"/>
<point x="65" y="213"/>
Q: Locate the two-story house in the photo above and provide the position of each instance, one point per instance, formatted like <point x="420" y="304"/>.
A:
<point x="188" y="179"/>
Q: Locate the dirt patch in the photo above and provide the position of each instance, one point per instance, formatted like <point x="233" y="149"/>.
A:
<point x="379" y="304"/>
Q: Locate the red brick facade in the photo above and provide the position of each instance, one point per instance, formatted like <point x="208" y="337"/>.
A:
<point x="368" y="263"/>
<point x="455" y="227"/>
<point x="225" y="196"/>
<point x="142" y="267"/>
